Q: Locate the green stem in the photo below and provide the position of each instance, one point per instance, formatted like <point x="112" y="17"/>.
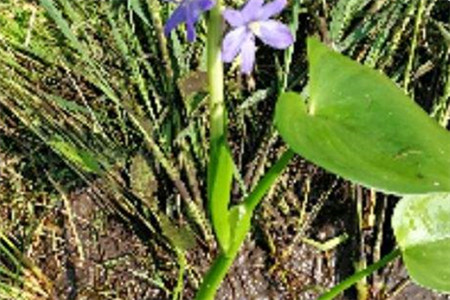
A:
<point x="217" y="272"/>
<point x="336" y="290"/>
<point x="212" y="280"/>
<point x="267" y="181"/>
<point x="178" y="290"/>
<point x="219" y="177"/>
<point x="215" y="75"/>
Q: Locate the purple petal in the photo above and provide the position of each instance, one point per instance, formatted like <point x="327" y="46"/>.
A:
<point x="177" y="17"/>
<point x="192" y="15"/>
<point x="248" y="50"/>
<point x="274" y="34"/>
<point x="194" y="8"/>
<point x="190" y="24"/>
<point x="205" y="5"/>
<point x="233" y="17"/>
<point x="252" y="10"/>
<point x="188" y="11"/>
<point x="232" y="43"/>
<point x="271" y="9"/>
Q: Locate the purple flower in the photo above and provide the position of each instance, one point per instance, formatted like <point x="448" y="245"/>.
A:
<point x="188" y="12"/>
<point x="254" y="20"/>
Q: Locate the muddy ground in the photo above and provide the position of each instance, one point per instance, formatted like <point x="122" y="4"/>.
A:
<point x="99" y="256"/>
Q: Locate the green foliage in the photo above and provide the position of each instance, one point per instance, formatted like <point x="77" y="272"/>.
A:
<point x="358" y="124"/>
<point x="143" y="181"/>
<point x="181" y="238"/>
<point x="136" y="6"/>
<point x="91" y="91"/>
<point x="342" y="15"/>
<point x="102" y="78"/>
<point x="422" y="227"/>
<point x="20" y="277"/>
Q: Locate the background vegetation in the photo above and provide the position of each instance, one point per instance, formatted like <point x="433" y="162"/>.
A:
<point x="103" y="148"/>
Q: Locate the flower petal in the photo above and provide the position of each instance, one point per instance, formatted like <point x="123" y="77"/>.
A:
<point x="248" y="50"/>
<point x="233" y="17"/>
<point x="194" y="8"/>
<point x="188" y="11"/>
<point x="275" y="34"/>
<point x="271" y="9"/>
<point x="177" y="17"/>
<point x="252" y="10"/>
<point x="192" y="15"/>
<point x="232" y="43"/>
<point x="205" y="5"/>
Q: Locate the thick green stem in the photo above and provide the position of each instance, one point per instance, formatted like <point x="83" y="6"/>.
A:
<point x="212" y="280"/>
<point x="336" y="290"/>
<point x="217" y="111"/>
<point x="215" y="75"/>
<point x="220" y="164"/>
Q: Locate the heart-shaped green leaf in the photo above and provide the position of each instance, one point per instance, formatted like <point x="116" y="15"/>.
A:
<point x="422" y="227"/>
<point x="357" y="123"/>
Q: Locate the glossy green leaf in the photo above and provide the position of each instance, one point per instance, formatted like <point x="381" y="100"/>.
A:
<point x="358" y="124"/>
<point x="422" y="227"/>
<point x="220" y="175"/>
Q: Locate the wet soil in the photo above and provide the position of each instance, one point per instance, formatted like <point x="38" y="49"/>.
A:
<point x="98" y="256"/>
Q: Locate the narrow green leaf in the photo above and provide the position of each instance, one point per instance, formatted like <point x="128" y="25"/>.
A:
<point x="422" y="229"/>
<point x="180" y="237"/>
<point x="142" y="180"/>
<point x="136" y="6"/>
<point x="445" y="33"/>
<point x="220" y="176"/>
<point x="70" y="106"/>
<point x="358" y="124"/>
<point x="56" y="15"/>
<point x="81" y="158"/>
